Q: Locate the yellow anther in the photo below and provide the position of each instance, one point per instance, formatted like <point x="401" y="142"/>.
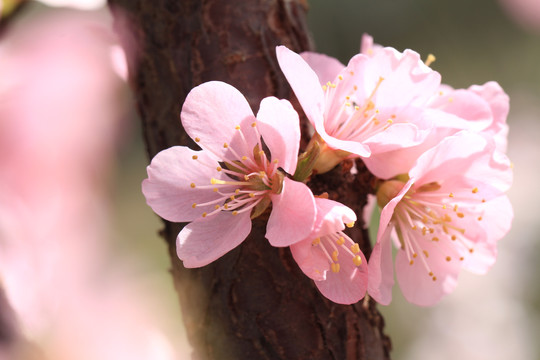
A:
<point x="316" y="241"/>
<point x="461" y="258"/>
<point x="414" y="227"/>
<point x="480" y="218"/>
<point x="197" y="139"/>
<point x="246" y="177"/>
<point x="216" y="207"/>
<point x="340" y="77"/>
<point x="425" y="253"/>
<point x="424" y="230"/>
<point x="347" y="104"/>
<point x="435" y="238"/>
<point x="350" y="225"/>
<point x="225" y="145"/>
<point x="194" y="205"/>
<point x="235" y="212"/>
<point x="335" y="255"/>
<point x="253" y="124"/>
<point x="335" y="267"/>
<point x="215" y="189"/>
<point x="376" y="121"/>
<point x="232" y="197"/>
<point x="483" y="200"/>
<point x="261" y="152"/>
<point x="444" y="206"/>
<point x="204" y="214"/>
<point x="355" y="248"/>
<point x="352" y="73"/>
<point x="251" y="195"/>
<point x="393" y="116"/>
<point x="450" y="99"/>
<point x="411" y="262"/>
<point x="460" y="215"/>
<point x="324" y="87"/>
<point x="219" y="168"/>
<point x="355" y="87"/>
<point x="194" y="157"/>
<point x="448" y="258"/>
<point x="455" y="207"/>
<point x="415" y="255"/>
<point x="213" y="181"/>
<point x="431" y="230"/>
<point x="430" y="273"/>
<point x="356" y="107"/>
<point x="453" y="237"/>
<point x="389" y="121"/>
<point x="192" y="185"/>
<point x="237" y="191"/>
<point x="434" y="278"/>
<point x="226" y="206"/>
<point x="475" y="190"/>
<point x="237" y="127"/>
<point x="357" y="260"/>
<point x="430" y="59"/>
<point x="244" y="158"/>
<point x="441" y="93"/>
<point x="275" y="161"/>
<point x="471" y="250"/>
<point x="451" y="195"/>
<point x="340" y="241"/>
<point x="348" y="97"/>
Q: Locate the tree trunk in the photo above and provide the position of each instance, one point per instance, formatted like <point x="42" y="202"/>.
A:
<point x="254" y="302"/>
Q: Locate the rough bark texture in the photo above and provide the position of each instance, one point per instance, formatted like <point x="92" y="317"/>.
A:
<point x="253" y="303"/>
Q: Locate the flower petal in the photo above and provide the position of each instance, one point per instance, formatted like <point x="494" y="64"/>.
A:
<point x="417" y="285"/>
<point x="381" y="270"/>
<point x="327" y="68"/>
<point x="310" y="259"/>
<point x="206" y="239"/>
<point x="279" y="126"/>
<point x="331" y="217"/>
<point x="303" y="81"/>
<point x="211" y="113"/>
<point x="293" y="214"/>
<point x="168" y="188"/>
<point x="347" y="286"/>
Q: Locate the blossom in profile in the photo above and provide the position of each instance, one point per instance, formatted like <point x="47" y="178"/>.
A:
<point x="448" y="215"/>
<point x="241" y="169"/>
<point x="330" y="257"/>
<point x="374" y="104"/>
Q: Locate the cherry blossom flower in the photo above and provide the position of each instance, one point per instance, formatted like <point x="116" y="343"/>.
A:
<point x="374" y="104"/>
<point x="448" y="215"/>
<point x="331" y="258"/>
<point x="232" y="179"/>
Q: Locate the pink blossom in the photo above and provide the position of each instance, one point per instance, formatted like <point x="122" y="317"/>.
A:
<point x="331" y="258"/>
<point x="232" y="179"/>
<point x="374" y="104"/>
<point x="448" y="215"/>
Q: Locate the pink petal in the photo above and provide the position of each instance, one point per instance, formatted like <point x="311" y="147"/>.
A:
<point x="211" y="113"/>
<point x="310" y="259"/>
<point x="279" y="126"/>
<point x="331" y="217"/>
<point x="303" y="81"/>
<point x="168" y="188"/>
<point x="417" y="285"/>
<point x="381" y="270"/>
<point x="327" y="68"/>
<point x="347" y="286"/>
<point x="465" y="105"/>
<point x="407" y="81"/>
<point x="207" y="239"/>
<point x="293" y="214"/>
<point x="353" y="147"/>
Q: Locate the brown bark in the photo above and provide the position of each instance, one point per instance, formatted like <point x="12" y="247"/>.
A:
<point x="254" y="302"/>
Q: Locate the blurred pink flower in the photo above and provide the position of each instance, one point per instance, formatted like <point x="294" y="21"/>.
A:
<point x="232" y="179"/>
<point x="60" y="109"/>
<point x="524" y="12"/>
<point x="449" y="215"/>
<point x="332" y="259"/>
<point x="372" y="105"/>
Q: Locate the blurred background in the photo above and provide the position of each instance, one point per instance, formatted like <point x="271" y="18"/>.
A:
<point x="496" y="316"/>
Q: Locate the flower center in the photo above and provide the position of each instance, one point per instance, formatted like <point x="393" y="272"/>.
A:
<point x="425" y="215"/>
<point x="249" y="179"/>
<point x="336" y="246"/>
<point x="351" y="118"/>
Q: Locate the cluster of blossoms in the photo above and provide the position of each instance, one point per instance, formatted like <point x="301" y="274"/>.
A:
<point x="438" y="152"/>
